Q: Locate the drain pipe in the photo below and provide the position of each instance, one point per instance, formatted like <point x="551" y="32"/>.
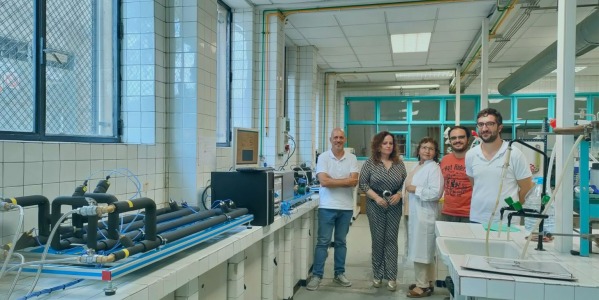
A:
<point x="587" y="39"/>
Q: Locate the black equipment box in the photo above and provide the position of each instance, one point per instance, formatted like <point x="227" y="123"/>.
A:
<point x="251" y="190"/>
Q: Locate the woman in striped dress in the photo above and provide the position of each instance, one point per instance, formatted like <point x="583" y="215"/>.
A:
<point x="381" y="178"/>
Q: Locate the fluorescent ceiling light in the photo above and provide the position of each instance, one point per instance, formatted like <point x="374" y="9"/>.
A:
<point x="495" y="101"/>
<point x="425" y="75"/>
<point x="537" y="109"/>
<point x="576" y="69"/>
<point x="411" y="42"/>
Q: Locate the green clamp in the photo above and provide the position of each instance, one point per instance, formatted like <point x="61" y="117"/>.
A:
<point x="545" y="199"/>
<point x="515" y="205"/>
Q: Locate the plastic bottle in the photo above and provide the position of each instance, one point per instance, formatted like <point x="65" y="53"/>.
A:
<point x="533" y="200"/>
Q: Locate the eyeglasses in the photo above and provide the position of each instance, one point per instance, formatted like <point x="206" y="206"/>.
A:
<point x="460" y="137"/>
<point x="488" y="124"/>
<point x="427" y="148"/>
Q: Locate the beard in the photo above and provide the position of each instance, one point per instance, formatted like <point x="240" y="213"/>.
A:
<point x="461" y="149"/>
<point x="491" y="138"/>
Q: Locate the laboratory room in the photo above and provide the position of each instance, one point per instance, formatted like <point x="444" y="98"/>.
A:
<point x="299" y="149"/>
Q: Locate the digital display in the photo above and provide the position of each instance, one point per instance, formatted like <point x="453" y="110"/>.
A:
<point x="245" y="143"/>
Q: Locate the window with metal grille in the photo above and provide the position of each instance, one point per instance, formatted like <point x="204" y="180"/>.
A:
<point x="223" y="73"/>
<point x="58" y="63"/>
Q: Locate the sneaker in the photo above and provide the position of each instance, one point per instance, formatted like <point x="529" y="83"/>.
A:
<point x="314" y="283"/>
<point x="376" y="283"/>
<point x="392" y="285"/>
<point x="342" y="280"/>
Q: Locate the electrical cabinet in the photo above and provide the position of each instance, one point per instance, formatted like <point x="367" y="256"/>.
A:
<point x="282" y="135"/>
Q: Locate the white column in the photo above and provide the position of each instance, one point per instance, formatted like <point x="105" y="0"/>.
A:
<point x="306" y="246"/>
<point x="268" y="256"/>
<point x="287" y="260"/>
<point x="188" y="291"/>
<point x="566" y="39"/>
<point x="458" y="93"/>
<point x="484" y="64"/>
<point x="236" y="277"/>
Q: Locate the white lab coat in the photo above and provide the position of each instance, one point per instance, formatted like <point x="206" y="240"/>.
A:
<point x="423" y="212"/>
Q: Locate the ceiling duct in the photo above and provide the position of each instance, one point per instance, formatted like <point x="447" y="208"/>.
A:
<point x="587" y="39"/>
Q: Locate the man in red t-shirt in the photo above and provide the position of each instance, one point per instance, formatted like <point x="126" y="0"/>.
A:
<point x="458" y="189"/>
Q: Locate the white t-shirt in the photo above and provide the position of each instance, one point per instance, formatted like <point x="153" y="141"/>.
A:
<point x="338" y="197"/>
<point x="487" y="175"/>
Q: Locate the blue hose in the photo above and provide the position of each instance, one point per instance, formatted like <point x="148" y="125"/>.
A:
<point x="50" y="290"/>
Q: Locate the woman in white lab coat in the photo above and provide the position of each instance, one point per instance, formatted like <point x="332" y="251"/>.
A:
<point x="424" y="186"/>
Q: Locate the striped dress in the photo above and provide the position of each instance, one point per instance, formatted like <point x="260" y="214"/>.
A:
<point x="384" y="222"/>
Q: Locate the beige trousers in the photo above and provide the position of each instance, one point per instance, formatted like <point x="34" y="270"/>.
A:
<point x="425" y="274"/>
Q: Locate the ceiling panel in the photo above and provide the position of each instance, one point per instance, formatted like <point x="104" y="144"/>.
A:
<point x="322" y="32"/>
<point x="294" y="34"/>
<point x="376" y="63"/>
<point x="411" y="27"/>
<point x="371" y="50"/>
<point x="312" y="20"/>
<point x="332" y="42"/>
<point x="374" y="40"/>
<point x="411" y="13"/>
<point x="455" y="47"/>
<point x="364" y="29"/>
<point x="375" y="57"/>
<point x="466" y="9"/>
<point x="345" y="65"/>
<point x="335" y="50"/>
<point x="339" y="58"/>
<point x="458" y="24"/>
<point x="354" y="35"/>
<point x="452" y="36"/>
<point x="361" y="17"/>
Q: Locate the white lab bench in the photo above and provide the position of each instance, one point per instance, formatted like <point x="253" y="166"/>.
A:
<point x="471" y="284"/>
<point x="246" y="263"/>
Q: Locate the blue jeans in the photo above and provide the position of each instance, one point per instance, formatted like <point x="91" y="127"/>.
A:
<point x="329" y="219"/>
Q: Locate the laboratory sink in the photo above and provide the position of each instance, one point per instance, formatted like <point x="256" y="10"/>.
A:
<point x="464" y="246"/>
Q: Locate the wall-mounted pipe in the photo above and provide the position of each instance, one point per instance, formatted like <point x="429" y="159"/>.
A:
<point x="587" y="39"/>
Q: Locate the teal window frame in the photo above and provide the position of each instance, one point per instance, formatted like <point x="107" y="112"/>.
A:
<point x="510" y="120"/>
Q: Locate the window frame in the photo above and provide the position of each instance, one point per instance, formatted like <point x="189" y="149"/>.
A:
<point x="39" y="65"/>
<point x="510" y="120"/>
<point x="228" y="80"/>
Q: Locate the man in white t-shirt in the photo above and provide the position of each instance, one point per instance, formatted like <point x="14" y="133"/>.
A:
<point x="337" y="172"/>
<point x="484" y="166"/>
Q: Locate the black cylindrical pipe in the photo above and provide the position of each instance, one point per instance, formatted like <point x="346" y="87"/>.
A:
<point x="43" y="210"/>
<point x="123" y="206"/>
<point x="102" y="198"/>
<point x="187" y="219"/>
<point x="130" y="227"/>
<point x="75" y="202"/>
<point x="196" y="227"/>
<point x="142" y="246"/>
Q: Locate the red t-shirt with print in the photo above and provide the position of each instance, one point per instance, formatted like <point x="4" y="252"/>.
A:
<point x="458" y="190"/>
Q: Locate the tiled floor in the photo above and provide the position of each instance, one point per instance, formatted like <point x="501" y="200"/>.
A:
<point x="359" y="271"/>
